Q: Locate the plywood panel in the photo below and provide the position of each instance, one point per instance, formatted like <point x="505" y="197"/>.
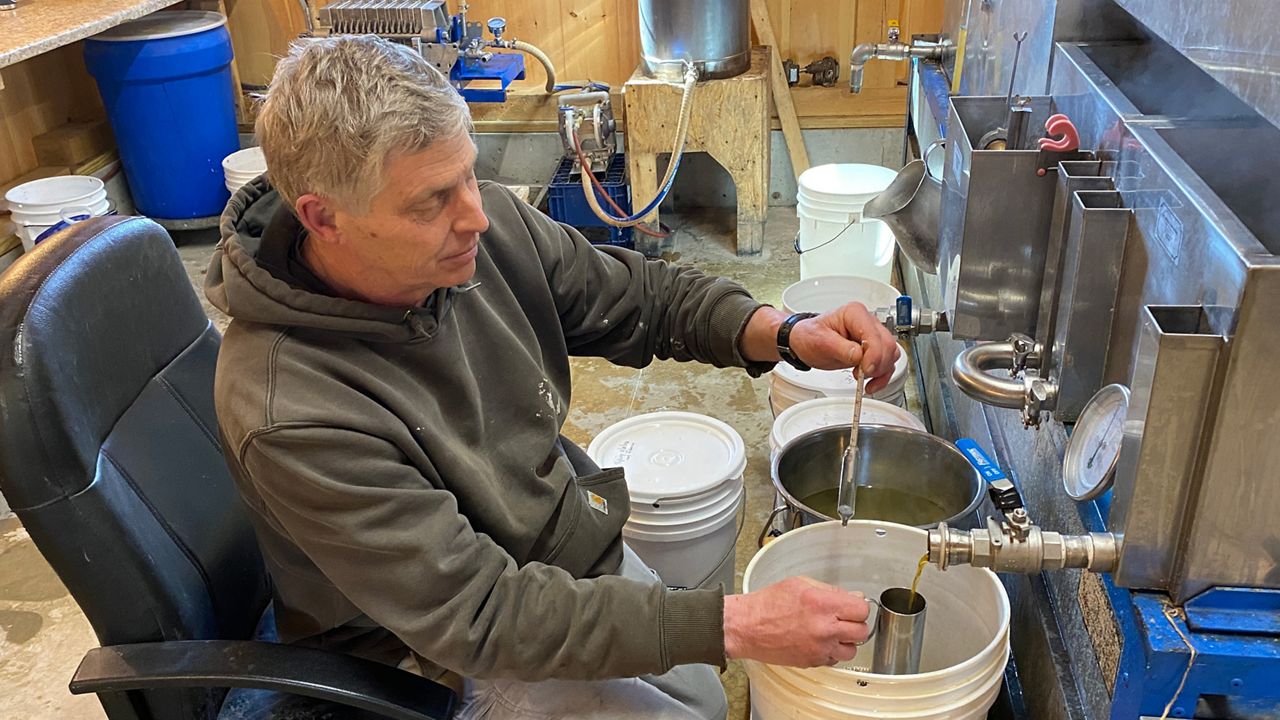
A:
<point x="261" y="32"/>
<point x="599" y="40"/>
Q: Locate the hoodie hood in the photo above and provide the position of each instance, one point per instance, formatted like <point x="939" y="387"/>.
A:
<point x="247" y="292"/>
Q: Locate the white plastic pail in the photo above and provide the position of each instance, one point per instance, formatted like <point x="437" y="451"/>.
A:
<point x="966" y="640"/>
<point x="242" y="166"/>
<point x="833" y="236"/>
<point x="828" y="412"/>
<point x="684" y="474"/>
<point x="788" y="386"/>
<point x="824" y="293"/>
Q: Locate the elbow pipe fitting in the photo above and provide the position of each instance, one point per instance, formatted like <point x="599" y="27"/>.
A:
<point x="970" y="374"/>
<point x="864" y="53"/>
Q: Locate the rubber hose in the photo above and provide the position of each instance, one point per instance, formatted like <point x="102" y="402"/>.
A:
<point x="677" y="151"/>
<point x="542" y="58"/>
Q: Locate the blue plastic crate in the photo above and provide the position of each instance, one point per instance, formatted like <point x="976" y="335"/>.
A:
<point x="567" y="204"/>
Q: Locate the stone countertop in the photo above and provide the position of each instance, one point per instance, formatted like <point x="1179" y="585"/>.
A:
<point x="38" y="26"/>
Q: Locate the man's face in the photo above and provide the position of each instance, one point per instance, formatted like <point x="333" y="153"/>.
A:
<point x="422" y="231"/>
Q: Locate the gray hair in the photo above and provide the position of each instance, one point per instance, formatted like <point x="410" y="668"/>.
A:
<point x="339" y="106"/>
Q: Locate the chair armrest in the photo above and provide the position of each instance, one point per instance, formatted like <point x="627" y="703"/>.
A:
<point x="333" y="677"/>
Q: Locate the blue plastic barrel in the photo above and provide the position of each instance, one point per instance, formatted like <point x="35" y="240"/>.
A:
<point x="166" y="82"/>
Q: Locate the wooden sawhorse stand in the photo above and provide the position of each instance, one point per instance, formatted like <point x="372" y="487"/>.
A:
<point x="729" y="121"/>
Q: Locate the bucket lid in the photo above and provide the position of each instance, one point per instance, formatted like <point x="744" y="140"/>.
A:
<point x="856" y="181"/>
<point x="671" y="454"/>
<point x="163" y="24"/>
<point x="834" y="382"/>
<point x="826" y="412"/>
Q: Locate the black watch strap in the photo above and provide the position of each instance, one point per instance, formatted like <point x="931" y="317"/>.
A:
<point x="784" y="340"/>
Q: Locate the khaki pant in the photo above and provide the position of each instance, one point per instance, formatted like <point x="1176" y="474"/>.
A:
<point x="688" y="692"/>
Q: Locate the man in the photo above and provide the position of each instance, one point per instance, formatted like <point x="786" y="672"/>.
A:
<point x="390" y="394"/>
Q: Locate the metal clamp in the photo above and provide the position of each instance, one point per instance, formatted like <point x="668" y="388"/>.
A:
<point x="1023" y="390"/>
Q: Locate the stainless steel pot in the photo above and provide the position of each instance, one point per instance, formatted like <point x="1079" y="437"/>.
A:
<point x="914" y="463"/>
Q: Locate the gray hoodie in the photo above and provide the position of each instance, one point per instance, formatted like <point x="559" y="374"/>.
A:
<point x="404" y="466"/>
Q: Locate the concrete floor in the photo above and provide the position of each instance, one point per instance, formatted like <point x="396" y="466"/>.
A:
<point x="45" y="635"/>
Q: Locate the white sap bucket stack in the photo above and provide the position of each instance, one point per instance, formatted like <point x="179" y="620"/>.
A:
<point x="834" y="237"/>
<point x="829" y="412"/>
<point x="39" y="205"/>
<point x="242" y="166"/>
<point x="820" y="294"/>
<point x="966" y="637"/>
<point x="788" y="386"/>
<point x="684" y="474"/>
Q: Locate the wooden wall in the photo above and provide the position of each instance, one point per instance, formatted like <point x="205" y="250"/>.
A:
<point x="38" y="95"/>
<point x="599" y="40"/>
<point x="586" y="39"/>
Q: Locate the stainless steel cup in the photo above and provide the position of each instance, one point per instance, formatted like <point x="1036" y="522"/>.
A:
<point x="900" y="630"/>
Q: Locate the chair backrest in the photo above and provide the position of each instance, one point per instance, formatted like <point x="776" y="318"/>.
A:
<point x="109" y="449"/>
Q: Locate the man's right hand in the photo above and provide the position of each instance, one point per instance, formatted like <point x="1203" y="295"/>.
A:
<point x="798" y="622"/>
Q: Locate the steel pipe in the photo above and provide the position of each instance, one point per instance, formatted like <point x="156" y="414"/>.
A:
<point x="970" y="374"/>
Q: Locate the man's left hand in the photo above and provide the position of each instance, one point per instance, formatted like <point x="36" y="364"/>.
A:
<point x="848" y="336"/>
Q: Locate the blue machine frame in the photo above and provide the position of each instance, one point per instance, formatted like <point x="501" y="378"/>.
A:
<point x="1235" y="633"/>
<point x="505" y="68"/>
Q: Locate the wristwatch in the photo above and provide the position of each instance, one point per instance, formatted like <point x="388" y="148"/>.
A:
<point x="784" y="340"/>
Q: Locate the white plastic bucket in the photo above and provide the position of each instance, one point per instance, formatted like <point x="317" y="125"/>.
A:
<point x="242" y="166"/>
<point x="101" y="207"/>
<point x="824" y="293"/>
<point x="29" y="228"/>
<point x="49" y="195"/>
<point x="827" y="412"/>
<point x="833" y="236"/>
<point x="966" y="642"/>
<point x="684" y="475"/>
<point x="789" y="386"/>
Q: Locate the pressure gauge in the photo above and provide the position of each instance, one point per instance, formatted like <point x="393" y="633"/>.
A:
<point x="1089" y="464"/>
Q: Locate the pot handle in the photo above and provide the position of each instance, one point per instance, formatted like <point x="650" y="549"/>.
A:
<point x="873" y="619"/>
<point x="942" y="143"/>
<point x="764" y="531"/>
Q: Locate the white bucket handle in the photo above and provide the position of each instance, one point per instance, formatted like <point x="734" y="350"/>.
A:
<point x="742" y="521"/>
<point x="826" y="242"/>
<point x="75" y="213"/>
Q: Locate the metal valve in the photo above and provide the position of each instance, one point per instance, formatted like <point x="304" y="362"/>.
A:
<point x="825" y="71"/>
<point x="904" y="319"/>
<point x="1016" y="544"/>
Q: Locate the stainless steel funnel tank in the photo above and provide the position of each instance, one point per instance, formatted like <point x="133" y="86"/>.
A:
<point x="714" y="35"/>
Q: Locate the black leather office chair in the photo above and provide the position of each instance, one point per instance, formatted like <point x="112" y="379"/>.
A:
<point x="109" y="455"/>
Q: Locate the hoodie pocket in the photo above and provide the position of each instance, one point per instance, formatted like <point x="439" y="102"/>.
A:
<point x="596" y="507"/>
